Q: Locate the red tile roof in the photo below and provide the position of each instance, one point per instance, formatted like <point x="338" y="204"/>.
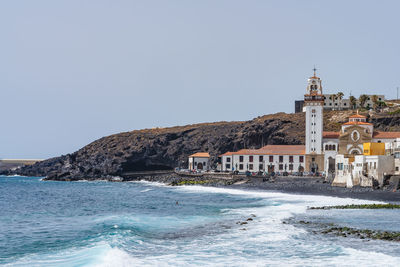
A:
<point x="200" y="155"/>
<point x="358" y="116"/>
<point x="284" y="149"/>
<point x="386" y="135"/>
<point x="357" y="123"/>
<point x="331" y="135"/>
<point x="247" y="152"/>
<point x="271" y="150"/>
<point x="226" y="154"/>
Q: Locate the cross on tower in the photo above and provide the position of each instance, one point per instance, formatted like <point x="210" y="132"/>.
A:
<point x="314" y="69"/>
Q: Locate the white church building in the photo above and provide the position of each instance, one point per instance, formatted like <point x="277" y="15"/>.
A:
<point x="320" y="149"/>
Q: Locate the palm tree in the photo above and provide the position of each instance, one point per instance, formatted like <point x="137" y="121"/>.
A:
<point x="340" y="96"/>
<point x="332" y="98"/>
<point x="353" y="102"/>
<point x="363" y="100"/>
<point x="374" y="99"/>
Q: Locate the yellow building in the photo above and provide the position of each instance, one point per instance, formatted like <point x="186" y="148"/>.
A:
<point x="374" y="149"/>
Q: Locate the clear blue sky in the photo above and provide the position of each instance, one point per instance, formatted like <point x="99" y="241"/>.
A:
<point x="72" y="71"/>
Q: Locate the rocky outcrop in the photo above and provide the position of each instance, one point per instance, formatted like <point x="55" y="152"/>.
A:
<point x="166" y="148"/>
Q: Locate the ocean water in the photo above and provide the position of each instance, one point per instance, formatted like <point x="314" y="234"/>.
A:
<point x="47" y="223"/>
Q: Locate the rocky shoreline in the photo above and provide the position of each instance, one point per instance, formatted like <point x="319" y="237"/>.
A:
<point x="343" y="231"/>
<point x="291" y="185"/>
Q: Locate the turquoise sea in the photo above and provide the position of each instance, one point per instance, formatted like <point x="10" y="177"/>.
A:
<point x="47" y="223"/>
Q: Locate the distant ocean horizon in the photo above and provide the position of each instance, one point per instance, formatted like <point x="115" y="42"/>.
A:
<point x="50" y="223"/>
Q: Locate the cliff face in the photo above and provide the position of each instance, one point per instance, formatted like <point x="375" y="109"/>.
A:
<point x="166" y="148"/>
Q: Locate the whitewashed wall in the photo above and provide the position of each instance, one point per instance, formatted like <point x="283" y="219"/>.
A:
<point x="245" y="165"/>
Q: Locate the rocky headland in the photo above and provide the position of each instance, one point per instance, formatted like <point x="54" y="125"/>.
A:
<point x="166" y="148"/>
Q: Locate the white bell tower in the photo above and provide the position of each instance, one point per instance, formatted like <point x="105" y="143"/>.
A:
<point x="314" y="105"/>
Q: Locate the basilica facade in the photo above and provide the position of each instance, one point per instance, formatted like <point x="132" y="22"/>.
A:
<point x="321" y="147"/>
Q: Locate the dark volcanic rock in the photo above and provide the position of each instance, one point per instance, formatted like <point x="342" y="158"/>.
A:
<point x="166" y="148"/>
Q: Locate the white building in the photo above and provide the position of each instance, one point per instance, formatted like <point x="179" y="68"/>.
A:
<point x="199" y="161"/>
<point x="362" y="170"/>
<point x="343" y="176"/>
<point x="323" y="151"/>
<point x="332" y="101"/>
<point x="350" y="139"/>
<point x="270" y="158"/>
<point x="313" y="106"/>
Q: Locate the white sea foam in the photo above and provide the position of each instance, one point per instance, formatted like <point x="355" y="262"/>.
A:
<point x="155" y="184"/>
<point x="264" y="242"/>
<point x="281" y="244"/>
<point x="146" y="190"/>
<point x="307" y="199"/>
<point x="115" y="257"/>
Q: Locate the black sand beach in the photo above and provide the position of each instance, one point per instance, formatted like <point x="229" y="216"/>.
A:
<point x="292" y="185"/>
<point x="315" y="186"/>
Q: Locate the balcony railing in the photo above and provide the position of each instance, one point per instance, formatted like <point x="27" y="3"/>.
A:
<point x="313" y="98"/>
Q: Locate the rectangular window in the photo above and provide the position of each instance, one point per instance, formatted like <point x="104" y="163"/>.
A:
<point x="280" y="167"/>
<point x="340" y="166"/>
<point x="204" y="164"/>
<point x="397" y="169"/>
<point x="227" y="166"/>
<point x="375" y="165"/>
<point x="260" y="158"/>
<point x="251" y="159"/>
<point x="261" y="167"/>
<point x="250" y="166"/>
<point x="271" y="158"/>
<point x="301" y="159"/>
<point x="290" y="158"/>
<point x="240" y="166"/>
<point x="228" y="159"/>
<point x="280" y="158"/>
<point x="290" y="167"/>
<point x="240" y="158"/>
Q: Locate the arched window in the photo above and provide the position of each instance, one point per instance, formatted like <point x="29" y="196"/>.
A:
<point x="334" y="147"/>
<point x="326" y="147"/>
